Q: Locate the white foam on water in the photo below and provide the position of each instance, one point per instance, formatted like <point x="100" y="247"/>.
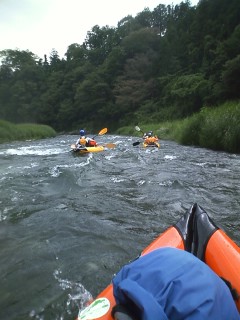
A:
<point x="169" y="157"/>
<point x="109" y="157"/>
<point x="203" y="164"/>
<point x="33" y="150"/>
<point x="116" y="180"/>
<point x="55" y="171"/>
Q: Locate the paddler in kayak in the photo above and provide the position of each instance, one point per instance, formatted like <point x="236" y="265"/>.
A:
<point x="150" y="138"/>
<point x="169" y="283"/>
<point x="85" y="141"/>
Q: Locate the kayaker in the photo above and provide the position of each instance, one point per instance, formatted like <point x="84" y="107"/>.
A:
<point x="148" y="134"/>
<point x="169" y="283"/>
<point x="84" y="141"/>
<point x="150" y="138"/>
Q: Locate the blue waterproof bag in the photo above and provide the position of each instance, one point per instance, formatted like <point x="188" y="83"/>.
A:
<point x="172" y="284"/>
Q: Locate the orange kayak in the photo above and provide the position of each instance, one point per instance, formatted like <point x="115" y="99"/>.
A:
<point x="195" y="232"/>
<point x="153" y="145"/>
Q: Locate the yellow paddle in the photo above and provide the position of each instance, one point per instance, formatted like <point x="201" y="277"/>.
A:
<point x="101" y="132"/>
<point x="109" y="145"/>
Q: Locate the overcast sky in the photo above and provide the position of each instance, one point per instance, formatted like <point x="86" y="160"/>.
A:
<point x="42" y="25"/>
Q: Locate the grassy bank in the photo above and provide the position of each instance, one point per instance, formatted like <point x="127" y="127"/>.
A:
<point x="26" y="131"/>
<point x="213" y="128"/>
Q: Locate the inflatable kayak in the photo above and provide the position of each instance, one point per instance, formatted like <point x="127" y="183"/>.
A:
<point x="83" y="150"/>
<point x="196" y="233"/>
<point x="97" y="148"/>
<point x="153" y="145"/>
<point x="147" y="145"/>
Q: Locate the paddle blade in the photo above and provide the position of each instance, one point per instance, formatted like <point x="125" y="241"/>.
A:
<point x="136" y="143"/>
<point x="103" y="131"/>
<point x="110" y="145"/>
<point x="137" y="128"/>
<point x="73" y="146"/>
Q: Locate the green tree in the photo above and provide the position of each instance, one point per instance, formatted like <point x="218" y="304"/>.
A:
<point x="231" y="78"/>
<point x="187" y="93"/>
<point x="99" y="43"/>
<point x="21" y="73"/>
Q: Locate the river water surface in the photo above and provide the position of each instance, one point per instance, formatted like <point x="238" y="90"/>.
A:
<point x="68" y="223"/>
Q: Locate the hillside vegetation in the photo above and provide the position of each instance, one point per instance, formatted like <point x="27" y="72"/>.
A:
<point x="172" y="63"/>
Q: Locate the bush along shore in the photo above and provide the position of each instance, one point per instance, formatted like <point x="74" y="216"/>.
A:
<point x="213" y="128"/>
<point x="24" y="131"/>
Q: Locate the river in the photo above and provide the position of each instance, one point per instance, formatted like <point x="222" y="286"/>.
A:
<point x="68" y="223"/>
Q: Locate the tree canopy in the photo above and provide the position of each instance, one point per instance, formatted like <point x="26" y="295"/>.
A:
<point x="162" y="64"/>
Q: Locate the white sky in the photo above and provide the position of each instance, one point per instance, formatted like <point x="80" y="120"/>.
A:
<point x="42" y="25"/>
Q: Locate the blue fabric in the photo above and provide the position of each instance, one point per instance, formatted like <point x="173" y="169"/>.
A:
<point x="172" y="284"/>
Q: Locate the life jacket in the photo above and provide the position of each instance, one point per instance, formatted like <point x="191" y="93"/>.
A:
<point x="83" y="141"/>
<point x="150" y="140"/>
<point x="169" y="283"/>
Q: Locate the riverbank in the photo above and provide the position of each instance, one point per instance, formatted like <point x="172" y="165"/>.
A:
<point x="25" y="131"/>
<point x="213" y="128"/>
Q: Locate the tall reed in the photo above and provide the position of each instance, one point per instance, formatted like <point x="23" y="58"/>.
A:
<point x="214" y="128"/>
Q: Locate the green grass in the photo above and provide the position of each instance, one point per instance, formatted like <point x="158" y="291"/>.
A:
<point x="214" y="128"/>
<point x="26" y="131"/>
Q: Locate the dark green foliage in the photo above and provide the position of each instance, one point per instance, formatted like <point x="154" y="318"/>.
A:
<point x="187" y="93"/>
<point x="163" y="64"/>
<point x="231" y="79"/>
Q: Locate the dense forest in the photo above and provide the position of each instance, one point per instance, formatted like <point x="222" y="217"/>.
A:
<point x="160" y="65"/>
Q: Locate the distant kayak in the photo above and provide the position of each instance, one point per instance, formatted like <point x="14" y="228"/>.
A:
<point x="196" y="233"/>
<point x="98" y="148"/>
<point x="149" y="140"/>
<point x="146" y="145"/>
<point x="152" y="145"/>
